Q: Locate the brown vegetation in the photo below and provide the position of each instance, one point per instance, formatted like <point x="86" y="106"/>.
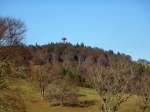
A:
<point x="62" y="67"/>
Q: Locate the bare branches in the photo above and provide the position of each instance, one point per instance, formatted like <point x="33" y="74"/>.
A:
<point x="11" y="31"/>
<point x="111" y="86"/>
<point x="42" y="77"/>
<point x="116" y="84"/>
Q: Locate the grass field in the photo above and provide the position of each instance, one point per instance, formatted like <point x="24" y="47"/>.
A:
<point x="34" y="103"/>
<point x="86" y="95"/>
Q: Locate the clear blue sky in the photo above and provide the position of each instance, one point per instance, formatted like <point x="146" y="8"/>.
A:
<point x="120" y="25"/>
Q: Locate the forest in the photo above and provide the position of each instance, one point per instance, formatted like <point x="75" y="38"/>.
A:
<point x="66" y="77"/>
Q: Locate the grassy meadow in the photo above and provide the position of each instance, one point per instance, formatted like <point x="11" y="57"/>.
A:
<point x="34" y="103"/>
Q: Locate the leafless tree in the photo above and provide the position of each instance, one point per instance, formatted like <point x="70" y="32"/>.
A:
<point x="42" y="78"/>
<point x="64" y="92"/>
<point x="11" y="31"/>
<point x="2" y="30"/>
<point x="139" y="85"/>
<point x="146" y="93"/>
<point x="111" y="86"/>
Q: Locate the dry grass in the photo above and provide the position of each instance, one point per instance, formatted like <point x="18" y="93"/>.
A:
<point x="44" y="106"/>
<point x="34" y="103"/>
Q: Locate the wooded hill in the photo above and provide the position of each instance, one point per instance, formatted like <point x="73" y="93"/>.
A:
<point x="64" y="67"/>
<point x="60" y="72"/>
<point x="65" y="57"/>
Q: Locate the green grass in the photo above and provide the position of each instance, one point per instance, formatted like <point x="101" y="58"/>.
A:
<point x="44" y="106"/>
<point x="34" y="103"/>
<point x="88" y="94"/>
<point x="132" y="105"/>
<point x="26" y="89"/>
<point x="87" y="91"/>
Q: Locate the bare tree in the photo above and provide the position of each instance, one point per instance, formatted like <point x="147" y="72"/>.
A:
<point x="11" y="31"/>
<point x="3" y="28"/>
<point x="42" y="78"/>
<point x="145" y="89"/>
<point x="111" y="86"/>
<point x="64" y="92"/>
<point x="139" y="85"/>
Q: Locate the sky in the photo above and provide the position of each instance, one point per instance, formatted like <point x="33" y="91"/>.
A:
<point x="118" y="25"/>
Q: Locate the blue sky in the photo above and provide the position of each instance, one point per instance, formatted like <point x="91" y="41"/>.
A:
<point x="119" y="25"/>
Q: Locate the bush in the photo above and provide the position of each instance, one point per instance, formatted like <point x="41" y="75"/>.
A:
<point x="63" y="93"/>
<point x="10" y="101"/>
<point x="76" y="77"/>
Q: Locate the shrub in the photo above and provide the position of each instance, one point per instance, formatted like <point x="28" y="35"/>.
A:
<point x="64" y="93"/>
<point x="10" y="101"/>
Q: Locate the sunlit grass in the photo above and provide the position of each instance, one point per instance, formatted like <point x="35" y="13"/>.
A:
<point x="34" y="103"/>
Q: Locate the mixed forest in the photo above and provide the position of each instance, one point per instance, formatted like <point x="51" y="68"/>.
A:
<point x="66" y="77"/>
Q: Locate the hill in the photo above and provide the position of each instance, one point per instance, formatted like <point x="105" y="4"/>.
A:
<point x="47" y="77"/>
